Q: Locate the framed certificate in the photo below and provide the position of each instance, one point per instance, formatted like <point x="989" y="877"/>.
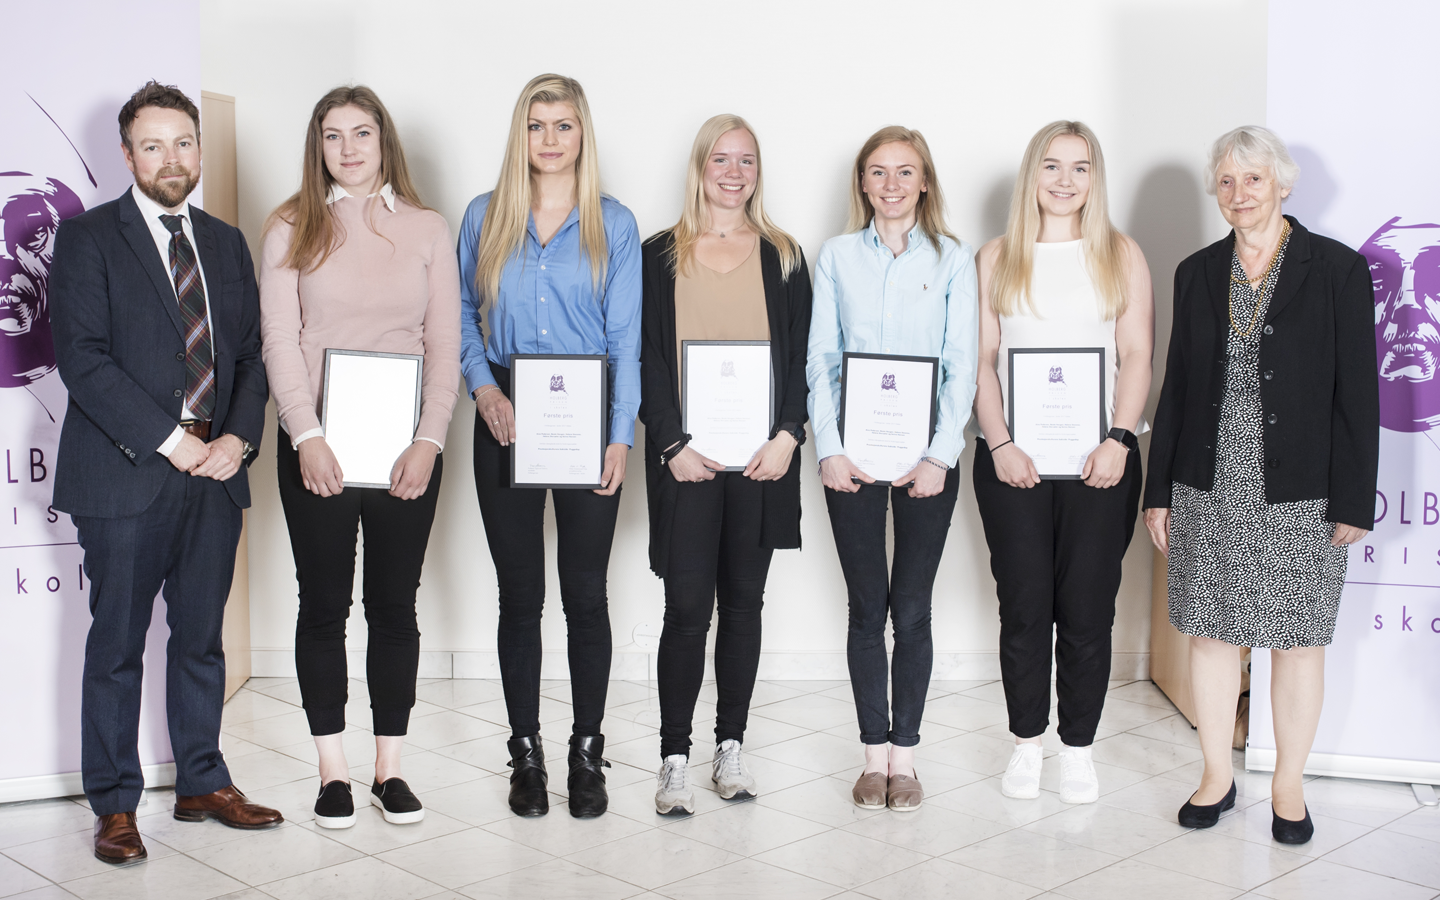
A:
<point x="887" y="411"/>
<point x="728" y="399"/>
<point x="562" y="420"/>
<point x="1057" y="406"/>
<point x="369" y="409"/>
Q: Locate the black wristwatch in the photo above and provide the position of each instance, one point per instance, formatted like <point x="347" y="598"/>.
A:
<point x="795" y="430"/>
<point x="1125" y="437"/>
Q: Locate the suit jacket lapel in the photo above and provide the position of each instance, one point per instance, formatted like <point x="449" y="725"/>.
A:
<point x="1292" y="271"/>
<point x="137" y="235"/>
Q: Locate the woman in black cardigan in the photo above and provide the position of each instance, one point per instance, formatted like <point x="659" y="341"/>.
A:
<point x="724" y="272"/>
<point x="1263" y="462"/>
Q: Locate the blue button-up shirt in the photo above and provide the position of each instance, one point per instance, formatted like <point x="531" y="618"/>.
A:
<point x="919" y="303"/>
<point x="548" y="304"/>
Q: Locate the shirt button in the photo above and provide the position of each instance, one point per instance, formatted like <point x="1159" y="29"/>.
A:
<point x="1269" y="374"/>
<point x="542" y="299"/>
<point x="892" y="284"/>
<point x="542" y="268"/>
<point x="1269" y="329"/>
<point x="543" y="331"/>
<point x="889" y="316"/>
<point x="1272" y="418"/>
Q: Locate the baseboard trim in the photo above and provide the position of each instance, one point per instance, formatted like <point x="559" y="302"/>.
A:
<point x="69" y="784"/>
<point x="1338" y="765"/>
<point x="639" y="665"/>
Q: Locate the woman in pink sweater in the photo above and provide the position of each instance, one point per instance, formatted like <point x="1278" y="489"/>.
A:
<point x="355" y="261"/>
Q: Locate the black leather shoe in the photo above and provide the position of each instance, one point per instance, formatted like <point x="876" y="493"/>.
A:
<point x="1192" y="816"/>
<point x="1289" y="831"/>
<point x="586" y="783"/>
<point x="528" y="778"/>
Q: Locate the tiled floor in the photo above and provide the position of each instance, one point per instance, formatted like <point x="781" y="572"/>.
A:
<point x="801" y="840"/>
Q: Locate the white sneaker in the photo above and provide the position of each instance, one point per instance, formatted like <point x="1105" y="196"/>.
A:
<point x="1022" y="775"/>
<point x="732" y="779"/>
<point x="672" y="787"/>
<point x="1078" y="782"/>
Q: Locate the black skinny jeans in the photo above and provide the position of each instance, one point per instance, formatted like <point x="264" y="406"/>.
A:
<point x="322" y="538"/>
<point x="515" y="529"/>
<point x="1055" y="551"/>
<point x="714" y="552"/>
<point x="902" y="591"/>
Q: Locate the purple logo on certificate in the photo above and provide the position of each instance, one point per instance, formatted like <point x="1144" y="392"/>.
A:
<point x="1057" y="375"/>
<point x="1404" y="263"/>
<point x="557" y="385"/>
<point x="727" y="369"/>
<point x="887" y="383"/>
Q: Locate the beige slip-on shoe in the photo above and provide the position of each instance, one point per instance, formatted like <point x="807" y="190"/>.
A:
<point x="869" y="792"/>
<point x="906" y="794"/>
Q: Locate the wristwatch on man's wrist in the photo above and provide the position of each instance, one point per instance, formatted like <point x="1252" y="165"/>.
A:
<point x="1127" y="438"/>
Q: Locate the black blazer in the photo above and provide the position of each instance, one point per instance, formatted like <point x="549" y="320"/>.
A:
<point x="787" y="303"/>
<point x="121" y="354"/>
<point x="1319" y="395"/>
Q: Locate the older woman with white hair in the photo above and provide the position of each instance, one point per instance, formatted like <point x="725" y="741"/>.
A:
<point x="1263" y="462"/>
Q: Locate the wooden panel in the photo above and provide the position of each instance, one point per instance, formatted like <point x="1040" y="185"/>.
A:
<point x="221" y="199"/>
<point x="1169" y="649"/>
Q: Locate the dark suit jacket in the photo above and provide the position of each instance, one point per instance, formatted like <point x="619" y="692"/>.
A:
<point x="787" y="304"/>
<point x="1319" y="395"/>
<point x="121" y="354"/>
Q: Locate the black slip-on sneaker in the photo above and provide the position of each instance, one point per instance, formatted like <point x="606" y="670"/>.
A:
<point x="397" y="802"/>
<point x="335" y="807"/>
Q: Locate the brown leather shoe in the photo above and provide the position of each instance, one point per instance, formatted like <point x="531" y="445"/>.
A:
<point x="906" y="794"/>
<point x="229" y="806"/>
<point x="869" y="791"/>
<point x="117" y="840"/>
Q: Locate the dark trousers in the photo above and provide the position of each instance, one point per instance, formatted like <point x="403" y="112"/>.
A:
<point x="714" y="552"/>
<point x="1055" y="551"/>
<point x="515" y="529"/>
<point x="902" y="592"/>
<point x="323" y="538"/>
<point x="186" y="542"/>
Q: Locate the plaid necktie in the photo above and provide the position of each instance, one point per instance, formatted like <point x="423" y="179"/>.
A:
<point x="199" y="353"/>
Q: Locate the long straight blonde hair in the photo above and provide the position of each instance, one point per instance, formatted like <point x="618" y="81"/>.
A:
<point x="695" y="217"/>
<point x="308" y="210"/>
<point x="1101" y="242"/>
<point x="929" y="211"/>
<point x="508" y="213"/>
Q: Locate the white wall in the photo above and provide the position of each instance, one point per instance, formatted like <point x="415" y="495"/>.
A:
<point x="1157" y="81"/>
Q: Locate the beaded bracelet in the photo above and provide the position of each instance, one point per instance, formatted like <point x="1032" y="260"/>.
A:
<point x="938" y="465"/>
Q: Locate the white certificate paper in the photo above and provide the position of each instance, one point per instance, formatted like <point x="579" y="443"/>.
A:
<point x="728" y="399"/>
<point x="369" y="409"/>
<point x="1057" y="406"/>
<point x="887" y="411"/>
<point x="561" y="420"/>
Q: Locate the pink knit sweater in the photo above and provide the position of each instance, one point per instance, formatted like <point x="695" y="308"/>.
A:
<point x="395" y="291"/>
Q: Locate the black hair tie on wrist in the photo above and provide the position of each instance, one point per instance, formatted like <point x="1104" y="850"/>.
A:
<point x="999" y="445"/>
<point x="667" y="455"/>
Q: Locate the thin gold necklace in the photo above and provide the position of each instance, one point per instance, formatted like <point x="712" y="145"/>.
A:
<point x="1255" y="316"/>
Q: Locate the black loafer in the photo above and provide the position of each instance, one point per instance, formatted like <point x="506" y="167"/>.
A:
<point x="1193" y="816"/>
<point x="398" y="803"/>
<point x="1288" y="831"/>
<point x="528" y="779"/>
<point x="335" y="807"/>
<point x="586" y="783"/>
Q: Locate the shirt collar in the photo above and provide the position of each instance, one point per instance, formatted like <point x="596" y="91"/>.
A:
<point x="151" y="210"/>
<point x="387" y="193"/>
<point x="872" y="237"/>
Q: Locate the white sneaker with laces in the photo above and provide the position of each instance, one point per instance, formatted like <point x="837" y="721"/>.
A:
<point x="672" y="787"/>
<point x="1022" y="775"/>
<point x="732" y="778"/>
<point x="1078" y="782"/>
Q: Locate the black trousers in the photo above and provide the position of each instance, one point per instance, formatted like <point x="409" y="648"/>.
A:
<point x="714" y="552"/>
<point x="1055" y="551"/>
<point x="185" y="541"/>
<point x="902" y="592"/>
<point x="323" y="538"/>
<point x="515" y="529"/>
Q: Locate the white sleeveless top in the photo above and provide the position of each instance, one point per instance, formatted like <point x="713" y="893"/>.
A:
<point x="1067" y="315"/>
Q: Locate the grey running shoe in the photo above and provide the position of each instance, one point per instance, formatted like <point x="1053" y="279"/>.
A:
<point x="672" y="787"/>
<point x="733" y="780"/>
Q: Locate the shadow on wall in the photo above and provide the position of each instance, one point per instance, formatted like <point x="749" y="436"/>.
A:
<point x="1314" y="192"/>
<point x="995" y="209"/>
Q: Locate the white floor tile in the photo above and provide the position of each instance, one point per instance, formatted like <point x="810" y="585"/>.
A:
<point x="1132" y="878"/>
<point x="942" y="878"/>
<point x="70" y="856"/>
<point x="843" y="859"/>
<point x="1424" y="822"/>
<point x="1142" y="754"/>
<point x="824" y="800"/>
<point x="362" y="879"/>
<point x="463" y="858"/>
<point x="1142" y="692"/>
<point x="1401" y="856"/>
<point x="451" y="727"/>
<point x="257" y="771"/>
<point x="371" y="834"/>
<point x="17" y="879"/>
<point x="455" y="693"/>
<point x="746" y="829"/>
<point x="748" y="879"/>
<point x="932" y="829"/>
<point x="1253" y="824"/>
<point x="1321" y="880"/>
<point x="653" y="858"/>
<point x="1244" y="865"/>
<point x="275" y="854"/>
<point x="56" y="892"/>
<point x="173" y="878"/>
<point x="965" y="712"/>
<point x="1362" y="802"/>
<point x="558" y="879"/>
<point x="984" y="800"/>
<point x="21" y="823"/>
<point x="561" y="834"/>
<point x="976" y="752"/>
<point x="1107" y="828"/>
<point x="1033" y="859"/>
<point x="818" y="752"/>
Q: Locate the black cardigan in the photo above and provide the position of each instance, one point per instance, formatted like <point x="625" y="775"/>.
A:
<point x="1319" y="395"/>
<point x="787" y="303"/>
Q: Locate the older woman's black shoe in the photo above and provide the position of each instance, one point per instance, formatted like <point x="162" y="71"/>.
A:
<point x="1192" y="816"/>
<point x="586" y="784"/>
<point x="528" y="778"/>
<point x="1289" y="831"/>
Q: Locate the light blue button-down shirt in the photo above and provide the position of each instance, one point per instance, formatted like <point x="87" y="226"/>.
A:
<point x="548" y="304"/>
<point x="919" y="303"/>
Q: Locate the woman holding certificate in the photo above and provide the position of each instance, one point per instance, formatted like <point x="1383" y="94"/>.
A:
<point x="552" y="266"/>
<point x="1263" y="462"/>
<point x="891" y="368"/>
<point x="727" y="305"/>
<point x="1066" y="335"/>
<point x="355" y="261"/>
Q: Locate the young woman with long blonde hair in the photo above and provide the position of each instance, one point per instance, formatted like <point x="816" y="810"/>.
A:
<point x="1061" y="276"/>
<point x="899" y="284"/>
<point x="550" y="265"/>
<point x="723" y="272"/>
<point x="355" y="261"/>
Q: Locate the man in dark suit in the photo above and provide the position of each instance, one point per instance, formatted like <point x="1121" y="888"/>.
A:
<point x="156" y="320"/>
